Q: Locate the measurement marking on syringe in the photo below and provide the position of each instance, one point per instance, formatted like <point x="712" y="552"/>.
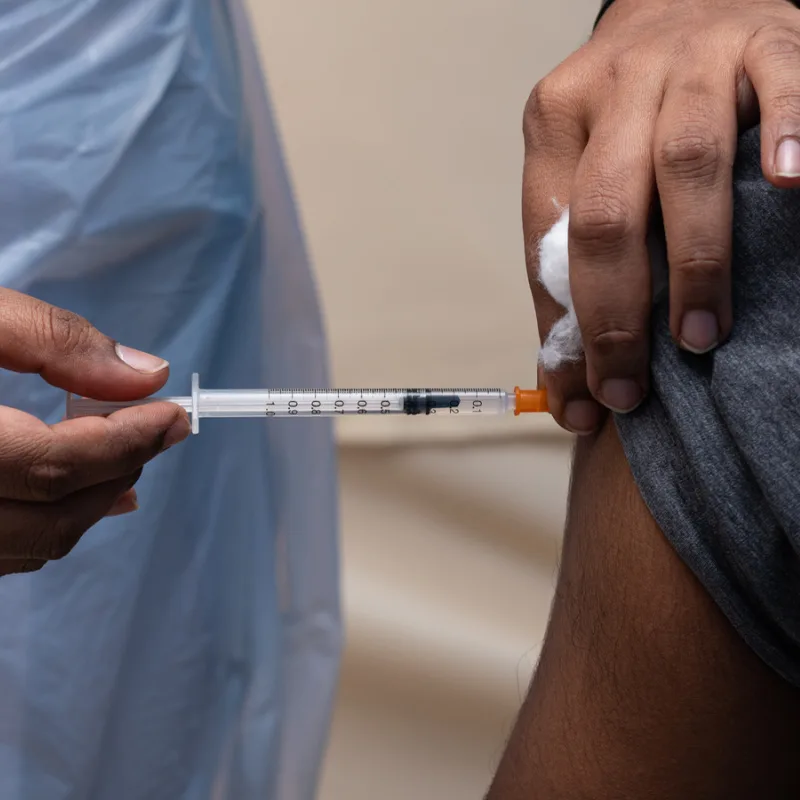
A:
<point x="421" y="390"/>
<point x="221" y="403"/>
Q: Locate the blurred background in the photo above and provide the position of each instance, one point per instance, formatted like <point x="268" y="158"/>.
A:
<point x="401" y="122"/>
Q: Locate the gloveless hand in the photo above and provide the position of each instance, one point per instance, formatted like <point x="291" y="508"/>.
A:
<point x="57" y="481"/>
<point x="650" y="109"/>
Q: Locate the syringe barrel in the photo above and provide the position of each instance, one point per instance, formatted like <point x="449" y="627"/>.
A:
<point x="342" y="402"/>
<point x="224" y="403"/>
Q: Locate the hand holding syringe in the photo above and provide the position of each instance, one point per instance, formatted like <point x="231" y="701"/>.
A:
<point x="223" y="403"/>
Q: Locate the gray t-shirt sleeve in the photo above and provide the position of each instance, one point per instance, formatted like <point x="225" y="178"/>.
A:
<point x="715" y="450"/>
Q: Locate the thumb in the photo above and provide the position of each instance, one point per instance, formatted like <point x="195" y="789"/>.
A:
<point x="69" y="352"/>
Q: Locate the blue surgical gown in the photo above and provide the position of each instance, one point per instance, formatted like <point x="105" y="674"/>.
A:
<point x="188" y="651"/>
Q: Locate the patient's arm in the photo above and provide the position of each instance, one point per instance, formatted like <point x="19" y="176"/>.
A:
<point x="643" y="690"/>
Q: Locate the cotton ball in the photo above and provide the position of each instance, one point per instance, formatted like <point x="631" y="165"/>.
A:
<point x="554" y="261"/>
<point x="563" y="343"/>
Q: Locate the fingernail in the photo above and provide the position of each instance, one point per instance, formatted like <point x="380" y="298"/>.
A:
<point x="787" y="159"/>
<point x="124" y="504"/>
<point x="620" y="394"/>
<point x="699" y="332"/>
<point x="179" y="430"/>
<point x="581" y="416"/>
<point x="141" y="362"/>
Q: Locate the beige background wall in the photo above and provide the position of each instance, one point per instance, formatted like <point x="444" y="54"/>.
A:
<point x="401" y="121"/>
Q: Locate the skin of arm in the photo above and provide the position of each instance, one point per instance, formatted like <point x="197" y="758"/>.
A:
<point x="643" y="689"/>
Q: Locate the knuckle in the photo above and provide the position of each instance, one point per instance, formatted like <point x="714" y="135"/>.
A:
<point x="700" y="265"/>
<point x="787" y="103"/>
<point x="693" y="153"/>
<point x="778" y="44"/>
<point x="625" y="64"/>
<point x="601" y="220"/>
<point x="606" y="338"/>
<point x="67" y="332"/>
<point x="136" y="445"/>
<point x="128" y="447"/>
<point x="547" y="104"/>
<point x="46" y="479"/>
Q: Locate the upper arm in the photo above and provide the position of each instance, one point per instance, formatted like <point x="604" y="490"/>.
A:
<point x="643" y="689"/>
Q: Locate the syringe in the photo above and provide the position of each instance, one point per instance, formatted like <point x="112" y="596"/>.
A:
<point x="223" y="403"/>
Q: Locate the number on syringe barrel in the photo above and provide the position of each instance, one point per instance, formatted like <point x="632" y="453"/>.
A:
<point x="385" y="407"/>
<point x="315" y="408"/>
<point x="293" y="408"/>
<point x="362" y="406"/>
<point x="270" y="409"/>
<point x="477" y="406"/>
<point x="338" y="407"/>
